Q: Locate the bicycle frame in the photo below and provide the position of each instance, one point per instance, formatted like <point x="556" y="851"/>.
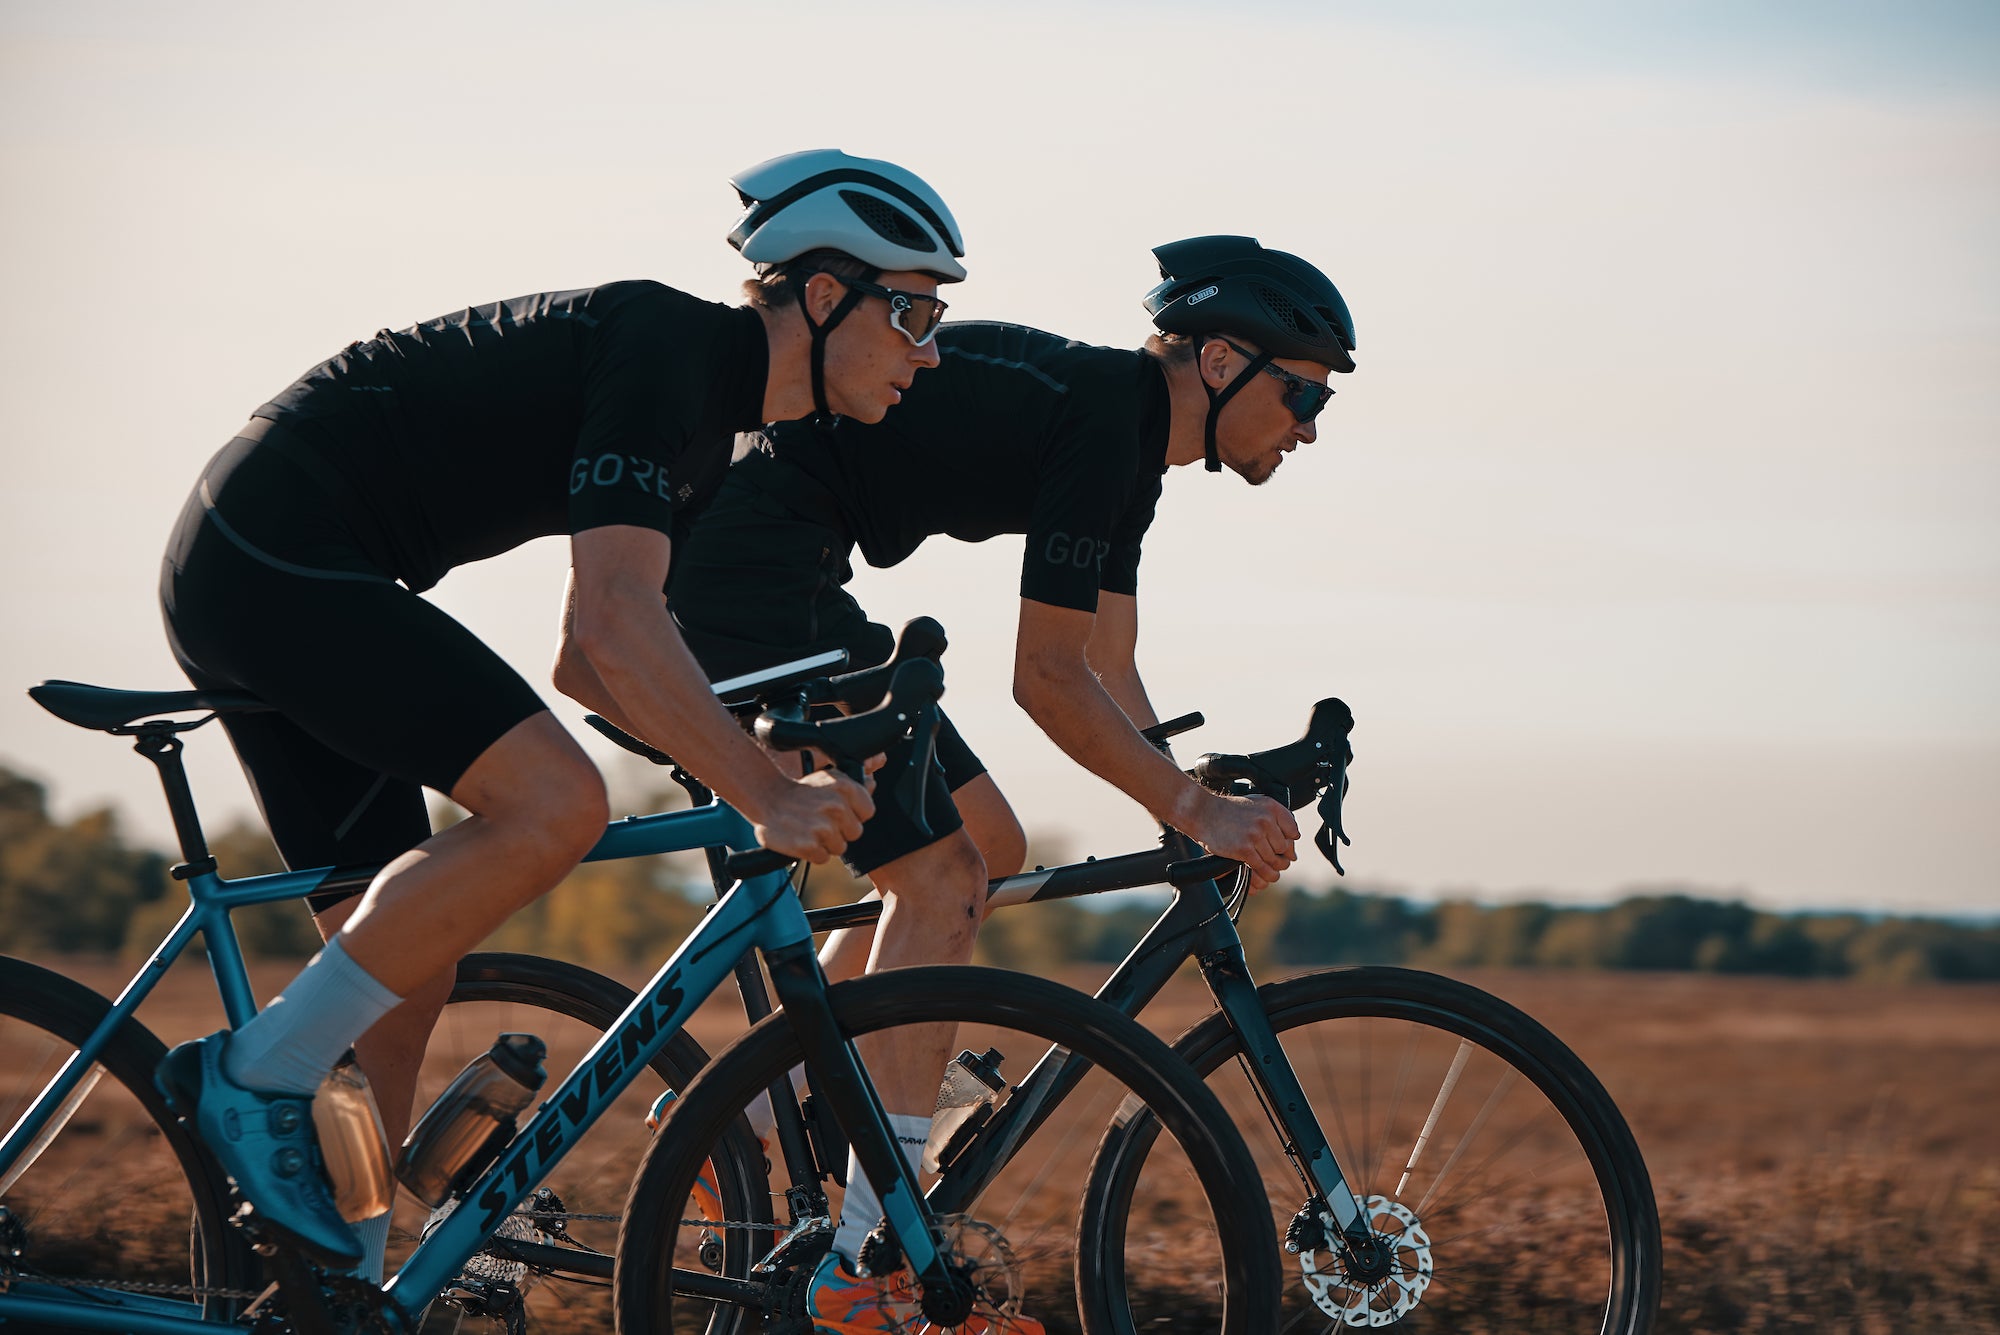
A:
<point x="761" y="913"/>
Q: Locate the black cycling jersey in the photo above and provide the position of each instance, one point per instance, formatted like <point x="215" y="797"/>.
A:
<point x="403" y="457"/>
<point x="469" y="434"/>
<point x="1015" y="431"/>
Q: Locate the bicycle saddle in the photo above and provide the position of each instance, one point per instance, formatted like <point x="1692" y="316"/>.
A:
<point x="109" y="710"/>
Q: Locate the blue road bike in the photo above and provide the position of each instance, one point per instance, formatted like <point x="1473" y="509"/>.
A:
<point x="78" y="1067"/>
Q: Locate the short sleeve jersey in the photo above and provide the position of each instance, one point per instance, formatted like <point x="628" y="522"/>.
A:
<point x="1015" y="431"/>
<point x="467" y="435"/>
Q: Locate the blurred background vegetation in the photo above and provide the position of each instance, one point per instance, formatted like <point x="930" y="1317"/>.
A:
<point x="80" y="887"/>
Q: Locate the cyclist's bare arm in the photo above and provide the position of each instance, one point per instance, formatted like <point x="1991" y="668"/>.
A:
<point x="1055" y="684"/>
<point x="1113" y="654"/>
<point x="622" y="656"/>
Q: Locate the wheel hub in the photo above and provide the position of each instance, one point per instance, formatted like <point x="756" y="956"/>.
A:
<point x="1383" y="1295"/>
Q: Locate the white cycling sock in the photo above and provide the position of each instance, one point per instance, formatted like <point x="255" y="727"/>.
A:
<point x="373" y="1235"/>
<point x="862" y="1209"/>
<point x="290" y="1045"/>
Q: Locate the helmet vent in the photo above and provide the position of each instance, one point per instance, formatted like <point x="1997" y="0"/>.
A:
<point x="1285" y="311"/>
<point x="889" y="222"/>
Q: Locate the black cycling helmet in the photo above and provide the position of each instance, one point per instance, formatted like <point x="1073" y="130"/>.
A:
<point x="1232" y="285"/>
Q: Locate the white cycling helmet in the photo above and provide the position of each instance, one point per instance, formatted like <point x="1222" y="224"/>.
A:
<point x="823" y="198"/>
<point x="875" y="211"/>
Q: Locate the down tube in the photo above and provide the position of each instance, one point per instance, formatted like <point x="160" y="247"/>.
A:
<point x="702" y="964"/>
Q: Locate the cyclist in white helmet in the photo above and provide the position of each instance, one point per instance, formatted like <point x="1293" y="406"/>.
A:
<point x="606" y="414"/>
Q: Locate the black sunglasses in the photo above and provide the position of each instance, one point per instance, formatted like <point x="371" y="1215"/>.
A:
<point x="1304" y="398"/>
<point x="914" y="315"/>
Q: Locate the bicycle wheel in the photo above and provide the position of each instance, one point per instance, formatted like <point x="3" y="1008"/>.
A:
<point x="1018" y="1239"/>
<point x="572" y="1222"/>
<point x="122" y="1201"/>
<point x="1489" y="1158"/>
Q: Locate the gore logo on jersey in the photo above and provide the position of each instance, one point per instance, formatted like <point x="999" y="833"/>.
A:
<point x="1077" y="553"/>
<point x="611" y="470"/>
<point x="1204" y="294"/>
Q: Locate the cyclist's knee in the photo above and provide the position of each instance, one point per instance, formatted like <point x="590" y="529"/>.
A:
<point x="536" y="780"/>
<point x="950" y="872"/>
<point x="994" y="827"/>
<point x="1005" y="850"/>
<point x="577" y="808"/>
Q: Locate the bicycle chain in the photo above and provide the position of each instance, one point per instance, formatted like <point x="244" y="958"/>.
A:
<point x="685" y="1223"/>
<point x="133" y="1286"/>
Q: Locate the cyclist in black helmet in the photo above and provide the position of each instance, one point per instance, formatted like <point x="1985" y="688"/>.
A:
<point x="606" y="414"/>
<point x="1019" y="431"/>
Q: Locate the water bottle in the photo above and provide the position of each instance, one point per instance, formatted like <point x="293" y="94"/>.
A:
<point x="971" y="1090"/>
<point x="353" y="1144"/>
<point x="473" y="1120"/>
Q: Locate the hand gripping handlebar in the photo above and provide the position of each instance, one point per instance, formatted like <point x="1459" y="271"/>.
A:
<point x="1314" y="765"/>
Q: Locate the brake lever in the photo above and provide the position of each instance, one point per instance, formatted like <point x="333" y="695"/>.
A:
<point x="1331" y="832"/>
<point x="911" y="788"/>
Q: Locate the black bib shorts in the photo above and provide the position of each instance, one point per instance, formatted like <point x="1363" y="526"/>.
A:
<point x="378" y="694"/>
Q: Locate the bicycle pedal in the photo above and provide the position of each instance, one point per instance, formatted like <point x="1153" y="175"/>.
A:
<point x="251" y="1224"/>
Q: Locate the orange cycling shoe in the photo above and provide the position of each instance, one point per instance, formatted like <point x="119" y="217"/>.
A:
<point x="843" y="1303"/>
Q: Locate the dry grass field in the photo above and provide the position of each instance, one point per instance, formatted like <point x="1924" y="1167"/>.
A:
<point x="1826" y="1155"/>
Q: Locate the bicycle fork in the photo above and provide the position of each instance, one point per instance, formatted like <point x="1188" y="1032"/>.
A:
<point x="1224" y="969"/>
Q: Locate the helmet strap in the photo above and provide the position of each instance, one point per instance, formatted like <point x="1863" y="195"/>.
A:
<point x="1211" y="453"/>
<point x="823" y="415"/>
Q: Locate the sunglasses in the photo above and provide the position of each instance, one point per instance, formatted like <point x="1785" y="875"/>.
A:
<point x="914" y="315"/>
<point x="1302" y="397"/>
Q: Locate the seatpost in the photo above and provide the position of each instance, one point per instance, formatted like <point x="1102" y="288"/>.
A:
<point x="159" y="744"/>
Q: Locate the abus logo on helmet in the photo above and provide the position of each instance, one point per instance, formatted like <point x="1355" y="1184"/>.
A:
<point x="1203" y="295"/>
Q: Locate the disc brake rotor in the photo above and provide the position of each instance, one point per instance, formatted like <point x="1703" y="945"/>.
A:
<point x="1355" y="1302"/>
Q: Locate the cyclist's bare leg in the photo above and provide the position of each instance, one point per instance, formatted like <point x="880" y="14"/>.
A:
<point x="995" y="831"/>
<point x="391" y="1053"/>
<point x="537" y="805"/>
<point x="991" y="822"/>
<point x="933" y="899"/>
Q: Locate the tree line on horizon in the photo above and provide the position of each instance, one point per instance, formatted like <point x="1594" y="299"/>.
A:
<point x="80" y="887"/>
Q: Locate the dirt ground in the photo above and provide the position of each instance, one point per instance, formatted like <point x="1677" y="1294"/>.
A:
<point x="1824" y="1153"/>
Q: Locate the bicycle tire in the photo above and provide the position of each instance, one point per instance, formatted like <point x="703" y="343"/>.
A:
<point x="1125" y="1055"/>
<point x="173" y="1181"/>
<point x="1435" y="1014"/>
<point x="498" y="986"/>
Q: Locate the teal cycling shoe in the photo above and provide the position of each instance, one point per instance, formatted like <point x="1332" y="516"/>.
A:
<point x="266" y="1143"/>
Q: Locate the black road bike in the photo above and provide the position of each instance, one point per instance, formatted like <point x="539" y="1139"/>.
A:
<point x="1436" y="1160"/>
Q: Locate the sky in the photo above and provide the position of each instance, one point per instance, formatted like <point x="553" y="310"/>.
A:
<point x="1653" y="543"/>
